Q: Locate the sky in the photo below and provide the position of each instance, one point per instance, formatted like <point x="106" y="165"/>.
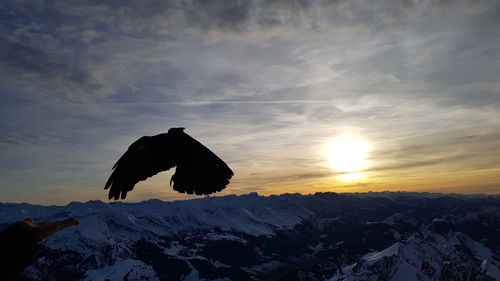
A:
<point x="266" y="85"/>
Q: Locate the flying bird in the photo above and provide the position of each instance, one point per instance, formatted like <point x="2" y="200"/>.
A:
<point x="198" y="170"/>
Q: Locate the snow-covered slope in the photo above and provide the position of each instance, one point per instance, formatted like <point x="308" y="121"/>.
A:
<point x="248" y="213"/>
<point x="286" y="237"/>
<point x="426" y="256"/>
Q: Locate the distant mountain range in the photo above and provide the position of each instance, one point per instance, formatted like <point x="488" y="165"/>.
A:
<point x="325" y="236"/>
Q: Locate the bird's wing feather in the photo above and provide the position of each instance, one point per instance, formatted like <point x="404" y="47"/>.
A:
<point x="199" y="170"/>
<point x="144" y="158"/>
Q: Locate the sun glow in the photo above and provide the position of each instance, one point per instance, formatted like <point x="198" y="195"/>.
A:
<point x="347" y="154"/>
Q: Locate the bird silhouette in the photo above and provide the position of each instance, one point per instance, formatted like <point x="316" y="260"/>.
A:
<point x="198" y="170"/>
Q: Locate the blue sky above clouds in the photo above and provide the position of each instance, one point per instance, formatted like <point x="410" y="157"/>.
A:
<point x="263" y="83"/>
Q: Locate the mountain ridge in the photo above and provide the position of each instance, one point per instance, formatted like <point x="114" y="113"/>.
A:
<point x="323" y="236"/>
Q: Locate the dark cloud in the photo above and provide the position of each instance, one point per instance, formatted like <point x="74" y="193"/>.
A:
<point x="222" y="14"/>
<point x="447" y="151"/>
<point x="173" y="17"/>
<point x="10" y="140"/>
<point x="415" y="163"/>
<point x="34" y="60"/>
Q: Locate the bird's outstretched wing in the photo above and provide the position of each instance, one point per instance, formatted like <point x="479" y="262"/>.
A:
<point x="144" y="158"/>
<point x="198" y="170"/>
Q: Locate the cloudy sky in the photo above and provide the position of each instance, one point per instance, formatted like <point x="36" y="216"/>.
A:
<point x="264" y="84"/>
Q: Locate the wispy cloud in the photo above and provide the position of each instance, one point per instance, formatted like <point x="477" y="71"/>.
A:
<point x="9" y="140"/>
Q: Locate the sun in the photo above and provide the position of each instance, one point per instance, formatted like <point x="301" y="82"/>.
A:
<point x="347" y="154"/>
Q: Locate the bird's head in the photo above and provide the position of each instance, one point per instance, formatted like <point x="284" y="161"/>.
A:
<point x="176" y="130"/>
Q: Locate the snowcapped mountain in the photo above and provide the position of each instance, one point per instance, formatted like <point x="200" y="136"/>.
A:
<point x="426" y="256"/>
<point x="325" y="236"/>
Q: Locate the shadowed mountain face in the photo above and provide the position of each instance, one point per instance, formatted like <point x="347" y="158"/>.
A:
<point x="325" y="236"/>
